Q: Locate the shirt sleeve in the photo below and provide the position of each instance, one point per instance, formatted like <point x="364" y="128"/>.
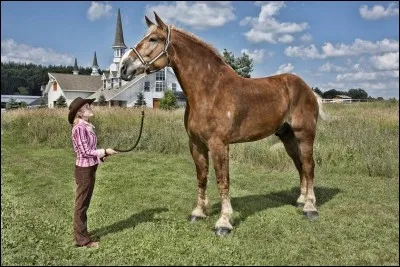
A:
<point x="81" y="144"/>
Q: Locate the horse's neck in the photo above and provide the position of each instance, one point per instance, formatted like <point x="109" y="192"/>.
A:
<point x="193" y="62"/>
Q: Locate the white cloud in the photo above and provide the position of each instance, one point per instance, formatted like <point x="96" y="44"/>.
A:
<point x="388" y="61"/>
<point x="329" y="67"/>
<point x="284" y="68"/>
<point x="12" y="51"/>
<point x="329" y="50"/>
<point x="379" y="12"/>
<point x="306" y="37"/>
<point x="265" y="28"/>
<point x="257" y="55"/>
<point x="98" y="10"/>
<point x="199" y="15"/>
<point x="287" y="38"/>
<point x="303" y="51"/>
<point x="368" y="76"/>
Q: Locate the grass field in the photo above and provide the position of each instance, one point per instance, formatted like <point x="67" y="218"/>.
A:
<point x="142" y="199"/>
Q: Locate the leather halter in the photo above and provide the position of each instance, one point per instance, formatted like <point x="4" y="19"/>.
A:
<point x="147" y="64"/>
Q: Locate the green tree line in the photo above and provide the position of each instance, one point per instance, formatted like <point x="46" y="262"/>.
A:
<point x="23" y="78"/>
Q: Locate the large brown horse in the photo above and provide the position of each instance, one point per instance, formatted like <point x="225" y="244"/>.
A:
<point x="225" y="108"/>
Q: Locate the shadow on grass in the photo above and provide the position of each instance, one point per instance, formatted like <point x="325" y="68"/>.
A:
<point x="131" y="222"/>
<point x="249" y="205"/>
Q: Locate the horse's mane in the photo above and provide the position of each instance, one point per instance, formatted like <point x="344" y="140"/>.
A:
<point x="198" y="41"/>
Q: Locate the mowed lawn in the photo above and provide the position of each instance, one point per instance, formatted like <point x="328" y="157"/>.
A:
<point x="142" y="200"/>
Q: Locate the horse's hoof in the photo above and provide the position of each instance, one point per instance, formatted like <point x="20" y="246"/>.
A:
<point x="193" y="218"/>
<point x="312" y="215"/>
<point x="222" y="231"/>
<point x="300" y="205"/>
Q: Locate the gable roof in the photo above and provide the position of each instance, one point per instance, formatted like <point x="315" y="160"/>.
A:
<point x="71" y="82"/>
<point x="109" y="94"/>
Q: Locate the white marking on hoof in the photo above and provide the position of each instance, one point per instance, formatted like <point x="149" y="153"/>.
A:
<point x="223" y="222"/>
<point x="301" y="199"/>
<point x="198" y="212"/>
<point x="309" y="206"/>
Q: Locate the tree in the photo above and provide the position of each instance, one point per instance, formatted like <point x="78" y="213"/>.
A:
<point x="61" y="102"/>
<point x="23" y="104"/>
<point x="12" y="104"/>
<point x="102" y="100"/>
<point x="242" y="65"/>
<point x="140" y="100"/>
<point x="21" y="91"/>
<point x="168" y="101"/>
<point x="358" y="93"/>
<point x="316" y="90"/>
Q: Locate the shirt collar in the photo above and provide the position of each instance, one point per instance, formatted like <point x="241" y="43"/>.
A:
<point x="87" y="124"/>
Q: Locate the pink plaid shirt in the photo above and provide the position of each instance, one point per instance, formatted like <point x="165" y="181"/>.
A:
<point x="84" y="141"/>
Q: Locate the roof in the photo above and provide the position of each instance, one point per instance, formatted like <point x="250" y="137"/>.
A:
<point x="37" y="102"/>
<point x="109" y="94"/>
<point x="343" y="96"/>
<point x="119" y="35"/>
<point x="95" y="61"/>
<point x="71" y="82"/>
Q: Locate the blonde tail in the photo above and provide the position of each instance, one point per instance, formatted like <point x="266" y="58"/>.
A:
<point x="325" y="116"/>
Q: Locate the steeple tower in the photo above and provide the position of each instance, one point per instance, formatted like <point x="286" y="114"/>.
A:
<point x="75" y="71"/>
<point x="119" y="45"/>
<point x="95" y="66"/>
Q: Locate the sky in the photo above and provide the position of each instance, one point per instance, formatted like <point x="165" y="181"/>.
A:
<point x="331" y="45"/>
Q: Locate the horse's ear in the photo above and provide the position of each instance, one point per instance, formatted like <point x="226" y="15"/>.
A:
<point x="160" y="23"/>
<point x="149" y="22"/>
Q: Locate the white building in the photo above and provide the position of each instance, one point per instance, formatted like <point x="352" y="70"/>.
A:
<point x="116" y="91"/>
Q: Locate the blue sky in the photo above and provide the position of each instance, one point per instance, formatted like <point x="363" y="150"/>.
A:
<point x="338" y="45"/>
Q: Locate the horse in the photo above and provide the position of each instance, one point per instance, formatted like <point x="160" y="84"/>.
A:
<point x="224" y="108"/>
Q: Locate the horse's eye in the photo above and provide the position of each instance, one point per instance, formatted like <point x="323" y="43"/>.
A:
<point x="152" y="39"/>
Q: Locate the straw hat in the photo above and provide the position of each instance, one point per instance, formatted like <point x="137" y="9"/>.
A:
<point x="75" y="105"/>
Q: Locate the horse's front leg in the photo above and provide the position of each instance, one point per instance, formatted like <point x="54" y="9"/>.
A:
<point x="220" y="156"/>
<point x="200" y="157"/>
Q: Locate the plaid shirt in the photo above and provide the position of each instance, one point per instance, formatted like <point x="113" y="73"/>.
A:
<point x="84" y="141"/>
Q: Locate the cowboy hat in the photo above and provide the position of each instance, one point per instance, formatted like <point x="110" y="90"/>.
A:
<point x="75" y="105"/>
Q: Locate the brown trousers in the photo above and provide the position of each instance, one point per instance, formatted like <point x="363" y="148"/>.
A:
<point x="84" y="179"/>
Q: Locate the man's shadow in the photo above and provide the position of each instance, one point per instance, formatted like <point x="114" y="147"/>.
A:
<point x="131" y="222"/>
<point x="249" y="205"/>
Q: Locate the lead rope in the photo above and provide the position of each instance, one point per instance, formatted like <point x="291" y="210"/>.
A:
<point x="140" y="132"/>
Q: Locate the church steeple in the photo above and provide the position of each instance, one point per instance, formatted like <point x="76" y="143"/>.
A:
<point x="75" y="71"/>
<point x="119" y="44"/>
<point x="119" y="35"/>
<point x="95" y="66"/>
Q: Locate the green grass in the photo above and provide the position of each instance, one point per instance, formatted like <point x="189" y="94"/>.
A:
<point x="142" y="199"/>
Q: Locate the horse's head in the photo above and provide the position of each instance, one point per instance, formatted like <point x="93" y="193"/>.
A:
<point x="150" y="54"/>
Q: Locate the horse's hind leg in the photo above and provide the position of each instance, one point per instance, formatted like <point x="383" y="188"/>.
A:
<point x="200" y="157"/>
<point x="299" y="145"/>
<point x="291" y="144"/>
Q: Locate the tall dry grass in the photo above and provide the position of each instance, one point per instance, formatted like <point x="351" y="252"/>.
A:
<point x="361" y="138"/>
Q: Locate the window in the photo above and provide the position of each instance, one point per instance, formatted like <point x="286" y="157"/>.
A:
<point x="147" y="86"/>
<point x="119" y="83"/>
<point x="160" y="75"/>
<point x="112" y="83"/>
<point x="104" y="84"/>
<point x="160" y="86"/>
<point x="173" y="87"/>
<point x="54" y="86"/>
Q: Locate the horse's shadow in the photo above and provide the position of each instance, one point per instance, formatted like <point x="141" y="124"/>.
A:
<point x="249" y="205"/>
<point x="131" y="222"/>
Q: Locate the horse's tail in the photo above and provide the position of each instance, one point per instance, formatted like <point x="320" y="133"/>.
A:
<point x="322" y="114"/>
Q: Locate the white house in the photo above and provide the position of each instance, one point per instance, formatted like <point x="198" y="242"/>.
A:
<point x="116" y="91"/>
